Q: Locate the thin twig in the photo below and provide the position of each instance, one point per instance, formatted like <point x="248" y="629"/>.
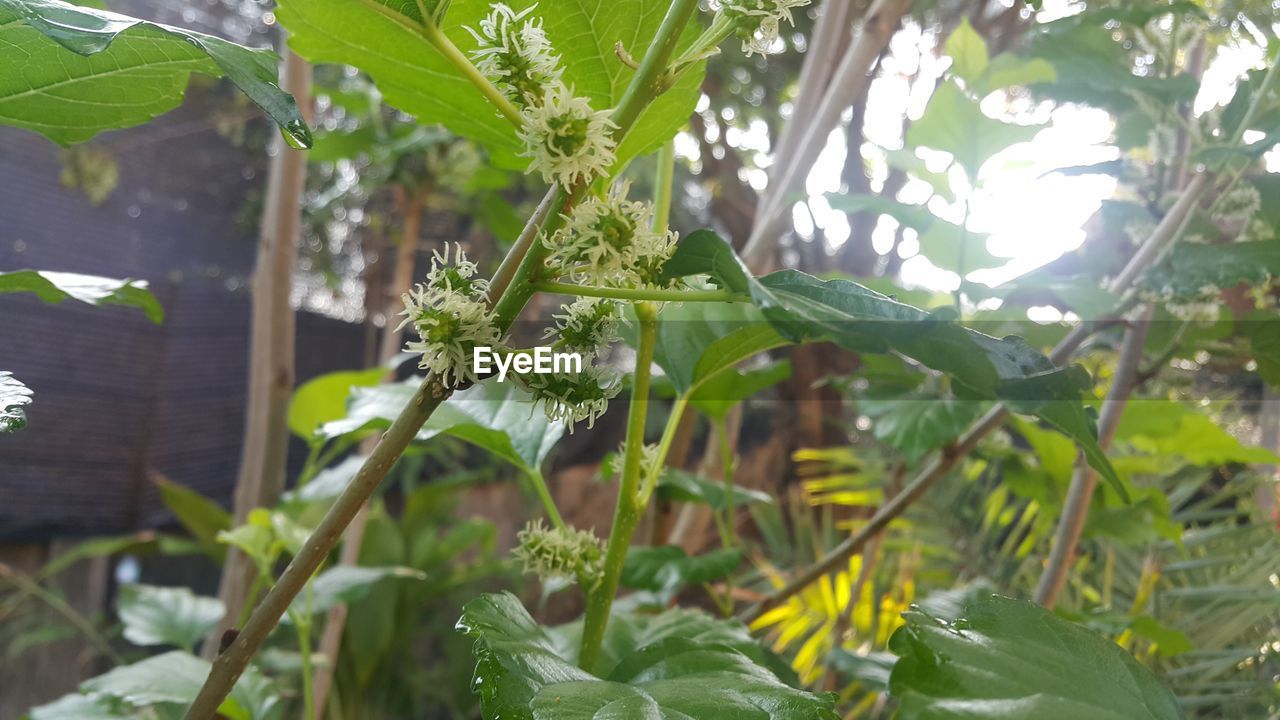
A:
<point x="938" y="467"/>
<point x="851" y="76"/>
<point x="1076" y="508"/>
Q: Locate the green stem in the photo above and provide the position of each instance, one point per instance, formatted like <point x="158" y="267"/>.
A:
<point x="1258" y="100"/>
<point x="729" y="538"/>
<point x="726" y="468"/>
<point x="629" y="508"/>
<point x="636" y="294"/>
<point x="720" y="29"/>
<point x="539" y="484"/>
<point x="648" y="81"/>
<point x="303" y="626"/>
<point x="664" y="447"/>
<point x="512" y="290"/>
<point x="646" y="84"/>
<point x="38" y="591"/>
<point x="441" y="42"/>
<point x="664" y="183"/>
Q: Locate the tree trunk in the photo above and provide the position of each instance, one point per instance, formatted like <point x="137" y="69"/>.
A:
<point x="271" y="358"/>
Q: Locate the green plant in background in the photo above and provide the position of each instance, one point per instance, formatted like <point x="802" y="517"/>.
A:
<point x="573" y="97"/>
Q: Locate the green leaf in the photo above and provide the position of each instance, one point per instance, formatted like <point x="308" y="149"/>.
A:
<point x="143" y="542"/>
<point x="724" y="391"/>
<point x="676" y="484"/>
<point x="968" y="52"/>
<point x="951" y="247"/>
<point x="954" y="123"/>
<point x="697" y="340"/>
<point x="667" y="568"/>
<point x="916" y="217"/>
<point x="1012" y="659"/>
<point x="678" y="664"/>
<point x="348" y="584"/>
<point x="704" y="252"/>
<point x="166" y="615"/>
<point x="492" y="415"/>
<point x="54" y="287"/>
<point x="1188" y="267"/>
<point x="324" y="399"/>
<point x="77" y="707"/>
<point x="256" y="538"/>
<point x="14" y="396"/>
<point x="328" y="483"/>
<point x="175" y="678"/>
<point x="918" y="424"/>
<point x="415" y="78"/>
<point x="1168" y="641"/>
<point x="1007" y="70"/>
<point x="202" y="517"/>
<point x="1093" y="68"/>
<point x="906" y="160"/>
<point x="802" y="307"/>
<point x="1166" y="428"/>
<point x="72" y="72"/>
<point x="1054" y="397"/>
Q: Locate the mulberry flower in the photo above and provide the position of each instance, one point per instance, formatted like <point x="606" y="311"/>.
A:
<point x="651" y="256"/>
<point x="451" y="318"/>
<point x="1237" y="208"/>
<point x="570" y="553"/>
<point x="587" y="325"/>
<point x="610" y="240"/>
<point x="1194" y="311"/>
<point x="456" y="274"/>
<point x="567" y="141"/>
<point x="454" y="167"/>
<point x="573" y="396"/>
<point x="516" y="56"/>
<point x="758" y="21"/>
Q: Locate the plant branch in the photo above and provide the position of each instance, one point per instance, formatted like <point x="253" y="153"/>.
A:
<point x="636" y="294"/>
<point x="231" y="663"/>
<point x="847" y="82"/>
<point x="512" y="290"/>
<point x="664" y="447"/>
<point x="664" y="182"/>
<point x="629" y="506"/>
<point x="30" y="587"/>
<point x="1164" y="234"/>
<point x="1076" y="508"/>
<point x="539" y="484"/>
<point x="442" y="43"/>
<point x="934" y="470"/>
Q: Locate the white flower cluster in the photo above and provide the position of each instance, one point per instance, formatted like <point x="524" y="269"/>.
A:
<point x="566" y="140"/>
<point x="573" y="397"/>
<point x="758" y="22"/>
<point x="515" y="54"/>
<point x="455" y="165"/>
<point x="568" y="554"/>
<point x="452" y="317"/>
<point x="611" y="241"/>
<point x="1194" y="311"/>
<point x="587" y="325"/>
<point x="1238" y="207"/>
